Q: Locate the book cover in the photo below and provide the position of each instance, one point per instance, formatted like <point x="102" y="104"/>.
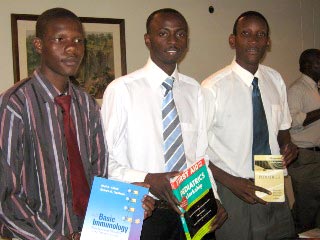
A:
<point x="193" y="188"/>
<point x="114" y="211"/>
<point x="269" y="174"/>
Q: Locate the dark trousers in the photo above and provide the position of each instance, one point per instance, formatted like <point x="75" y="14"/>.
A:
<point x="165" y="224"/>
<point x="254" y="222"/>
<point x="305" y="176"/>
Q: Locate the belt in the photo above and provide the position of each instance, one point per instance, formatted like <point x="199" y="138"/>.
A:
<point x="162" y="204"/>
<point x="316" y="149"/>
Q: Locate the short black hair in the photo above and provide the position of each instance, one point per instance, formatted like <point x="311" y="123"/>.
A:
<point x="52" y="14"/>
<point x="307" y="57"/>
<point x="160" y="11"/>
<point x="250" y="14"/>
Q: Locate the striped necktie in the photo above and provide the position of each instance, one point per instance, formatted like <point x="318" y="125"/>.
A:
<point x="175" y="159"/>
<point x="260" y="145"/>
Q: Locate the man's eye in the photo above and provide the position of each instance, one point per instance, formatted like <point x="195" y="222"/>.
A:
<point x="78" y="40"/>
<point x="181" y="34"/>
<point x="244" y="34"/>
<point x="262" y="35"/>
<point x="162" y="34"/>
<point x="58" y="39"/>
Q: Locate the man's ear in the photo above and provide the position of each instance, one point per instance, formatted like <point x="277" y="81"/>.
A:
<point x="37" y="43"/>
<point x="232" y="41"/>
<point x="269" y="44"/>
<point x="147" y="40"/>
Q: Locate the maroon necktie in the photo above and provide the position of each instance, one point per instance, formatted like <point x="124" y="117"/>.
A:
<point x="79" y="184"/>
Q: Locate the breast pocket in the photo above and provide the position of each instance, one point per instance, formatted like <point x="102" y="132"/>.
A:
<point x="189" y="135"/>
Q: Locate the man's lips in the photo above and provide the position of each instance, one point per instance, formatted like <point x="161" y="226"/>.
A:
<point x="253" y="50"/>
<point x="172" y="51"/>
<point x="71" y="61"/>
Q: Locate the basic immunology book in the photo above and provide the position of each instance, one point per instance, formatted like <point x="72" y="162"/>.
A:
<point x="114" y="211"/>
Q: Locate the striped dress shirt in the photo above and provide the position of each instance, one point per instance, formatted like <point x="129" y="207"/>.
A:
<point x="35" y="188"/>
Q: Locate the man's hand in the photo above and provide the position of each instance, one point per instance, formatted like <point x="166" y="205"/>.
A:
<point x="241" y="187"/>
<point x="245" y="190"/>
<point x="289" y="152"/>
<point x="161" y="188"/>
<point x="147" y="201"/>
<point x="221" y="217"/>
<point x="148" y="205"/>
<point x="74" y="236"/>
<point x="287" y="148"/>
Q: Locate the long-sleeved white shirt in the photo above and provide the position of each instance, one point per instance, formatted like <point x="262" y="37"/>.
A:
<point x="132" y="118"/>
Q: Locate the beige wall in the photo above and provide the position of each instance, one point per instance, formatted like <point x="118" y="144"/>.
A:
<point x="295" y="26"/>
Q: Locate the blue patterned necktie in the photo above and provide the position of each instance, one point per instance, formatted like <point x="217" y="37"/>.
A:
<point x="175" y="159"/>
<point x="260" y="145"/>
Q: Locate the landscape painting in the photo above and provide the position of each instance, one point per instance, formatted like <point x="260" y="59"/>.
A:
<point x="104" y="58"/>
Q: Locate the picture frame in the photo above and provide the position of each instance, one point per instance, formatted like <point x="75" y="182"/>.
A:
<point x="105" y="55"/>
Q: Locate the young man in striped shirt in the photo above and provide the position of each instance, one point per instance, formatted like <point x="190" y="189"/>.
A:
<point x="36" y="194"/>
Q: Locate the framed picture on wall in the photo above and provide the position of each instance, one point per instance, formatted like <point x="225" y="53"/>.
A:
<point x="105" y="54"/>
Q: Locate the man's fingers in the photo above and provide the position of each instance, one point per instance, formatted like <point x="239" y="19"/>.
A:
<point x="214" y="226"/>
<point x="148" y="203"/>
<point x="172" y="174"/>
<point x="142" y="184"/>
<point x="176" y="209"/>
<point x="147" y="214"/>
<point x="171" y="198"/>
<point x="256" y="199"/>
<point x="172" y="201"/>
<point x="218" y="223"/>
<point x="220" y="219"/>
<point x="259" y="200"/>
<point x="288" y="160"/>
<point x="289" y="152"/>
<point x="260" y="189"/>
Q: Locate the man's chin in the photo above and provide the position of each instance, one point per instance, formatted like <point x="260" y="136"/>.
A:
<point x="254" y="60"/>
<point x="72" y="73"/>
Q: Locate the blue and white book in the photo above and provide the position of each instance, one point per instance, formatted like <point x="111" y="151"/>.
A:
<point x="114" y="211"/>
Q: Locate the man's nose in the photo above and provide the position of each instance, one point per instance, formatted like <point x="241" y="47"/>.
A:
<point x="71" y="47"/>
<point x="253" y="38"/>
<point x="172" y="38"/>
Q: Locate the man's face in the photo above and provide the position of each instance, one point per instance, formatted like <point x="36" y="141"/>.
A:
<point x="167" y="40"/>
<point x="250" y="42"/>
<point x="61" y="48"/>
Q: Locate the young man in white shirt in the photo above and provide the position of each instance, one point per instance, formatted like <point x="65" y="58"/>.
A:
<point x="229" y="109"/>
<point x="132" y="116"/>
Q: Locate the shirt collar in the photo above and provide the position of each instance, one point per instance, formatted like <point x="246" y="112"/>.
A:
<point x="244" y="74"/>
<point x="310" y="81"/>
<point x="156" y="76"/>
<point x="47" y="87"/>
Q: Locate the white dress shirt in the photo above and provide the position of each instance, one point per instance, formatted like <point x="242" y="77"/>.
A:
<point x="228" y="95"/>
<point x="303" y="97"/>
<point x="132" y="117"/>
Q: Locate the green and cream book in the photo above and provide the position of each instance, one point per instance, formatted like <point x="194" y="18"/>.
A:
<point x="192" y="187"/>
<point x="269" y="174"/>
